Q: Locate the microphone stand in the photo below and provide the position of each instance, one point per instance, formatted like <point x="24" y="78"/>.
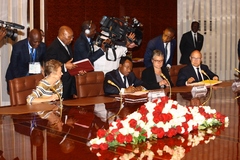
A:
<point x="121" y="98"/>
<point x="170" y="88"/>
<point x="210" y="94"/>
<point x="60" y="100"/>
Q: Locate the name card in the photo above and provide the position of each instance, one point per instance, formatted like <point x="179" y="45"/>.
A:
<point x="156" y="94"/>
<point x="236" y="86"/>
<point x="199" y="91"/>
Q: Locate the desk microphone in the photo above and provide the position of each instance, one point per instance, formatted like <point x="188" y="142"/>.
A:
<point x="113" y="84"/>
<point x="170" y="88"/>
<point x="210" y="94"/>
<point x="60" y="99"/>
<point x="237" y="70"/>
<point x="121" y="99"/>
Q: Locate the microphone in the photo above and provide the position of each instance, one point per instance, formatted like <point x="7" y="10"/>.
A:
<point x="237" y="70"/>
<point x="203" y="72"/>
<point x="60" y="100"/>
<point x="170" y="88"/>
<point x="15" y="25"/>
<point x="210" y="94"/>
<point x="113" y="84"/>
<point x="121" y="99"/>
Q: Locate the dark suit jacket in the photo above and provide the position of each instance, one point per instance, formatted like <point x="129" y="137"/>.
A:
<point x="20" y="58"/>
<point x="58" y="52"/>
<point x="188" y="71"/>
<point x="115" y="77"/>
<point x="239" y="53"/>
<point x="157" y="43"/>
<point x="149" y="78"/>
<point x="82" y="50"/>
<point x="187" y="46"/>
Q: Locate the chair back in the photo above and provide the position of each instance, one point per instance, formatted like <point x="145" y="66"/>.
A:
<point x="90" y="84"/>
<point x="173" y="72"/>
<point x="138" y="71"/>
<point x="20" y="88"/>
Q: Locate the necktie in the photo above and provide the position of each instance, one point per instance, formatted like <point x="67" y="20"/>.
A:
<point x="199" y="75"/>
<point x="32" y="55"/>
<point x="166" y="52"/>
<point x="195" y="40"/>
<point x="67" y="49"/>
<point x="125" y="81"/>
<point x="91" y="46"/>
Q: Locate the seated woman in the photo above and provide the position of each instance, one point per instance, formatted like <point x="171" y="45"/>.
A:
<point x="153" y="77"/>
<point x="49" y="89"/>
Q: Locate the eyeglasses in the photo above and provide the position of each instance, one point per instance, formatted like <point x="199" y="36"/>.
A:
<point x="196" y="58"/>
<point x="159" y="61"/>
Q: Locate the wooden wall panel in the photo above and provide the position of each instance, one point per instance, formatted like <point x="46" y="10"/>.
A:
<point x="155" y="15"/>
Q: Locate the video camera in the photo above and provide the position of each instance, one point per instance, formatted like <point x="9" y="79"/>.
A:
<point x="11" y="33"/>
<point x="117" y="30"/>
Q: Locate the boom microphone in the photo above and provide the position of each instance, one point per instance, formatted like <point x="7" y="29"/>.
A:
<point x="15" y="25"/>
<point x="11" y="24"/>
<point x="170" y="92"/>
<point x="210" y="94"/>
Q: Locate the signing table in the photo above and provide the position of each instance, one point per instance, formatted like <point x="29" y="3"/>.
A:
<point x="223" y="145"/>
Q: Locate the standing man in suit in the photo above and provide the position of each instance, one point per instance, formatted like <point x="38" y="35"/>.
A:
<point x="190" y="41"/>
<point x="123" y="77"/>
<point x="61" y="51"/>
<point x="26" y="56"/>
<point x="192" y="72"/>
<point x="165" y="43"/>
<point x="83" y="47"/>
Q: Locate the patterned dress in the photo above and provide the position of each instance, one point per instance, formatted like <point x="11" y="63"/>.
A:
<point x="44" y="89"/>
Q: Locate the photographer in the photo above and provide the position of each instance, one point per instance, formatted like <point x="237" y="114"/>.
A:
<point x="83" y="47"/>
<point x="3" y="33"/>
<point x="108" y="62"/>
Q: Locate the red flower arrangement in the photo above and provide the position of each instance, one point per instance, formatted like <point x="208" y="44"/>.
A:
<point x="161" y="118"/>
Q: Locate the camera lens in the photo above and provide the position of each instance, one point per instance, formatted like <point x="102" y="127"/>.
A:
<point x="12" y="33"/>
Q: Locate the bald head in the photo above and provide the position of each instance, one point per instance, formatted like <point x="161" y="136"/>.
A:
<point x="34" y="38"/>
<point x="65" y="34"/>
<point x="196" y="58"/>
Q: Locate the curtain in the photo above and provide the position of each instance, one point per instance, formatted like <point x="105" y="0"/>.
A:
<point x="220" y="24"/>
<point x="16" y="12"/>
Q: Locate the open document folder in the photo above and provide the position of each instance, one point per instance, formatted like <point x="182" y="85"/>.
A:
<point x="139" y="96"/>
<point x="206" y="83"/>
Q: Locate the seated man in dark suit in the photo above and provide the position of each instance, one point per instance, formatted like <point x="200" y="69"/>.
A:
<point x="129" y="85"/>
<point x="193" y="72"/>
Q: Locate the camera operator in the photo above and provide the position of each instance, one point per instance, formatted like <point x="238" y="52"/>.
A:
<point x="83" y="47"/>
<point x="108" y="62"/>
<point x="3" y="33"/>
